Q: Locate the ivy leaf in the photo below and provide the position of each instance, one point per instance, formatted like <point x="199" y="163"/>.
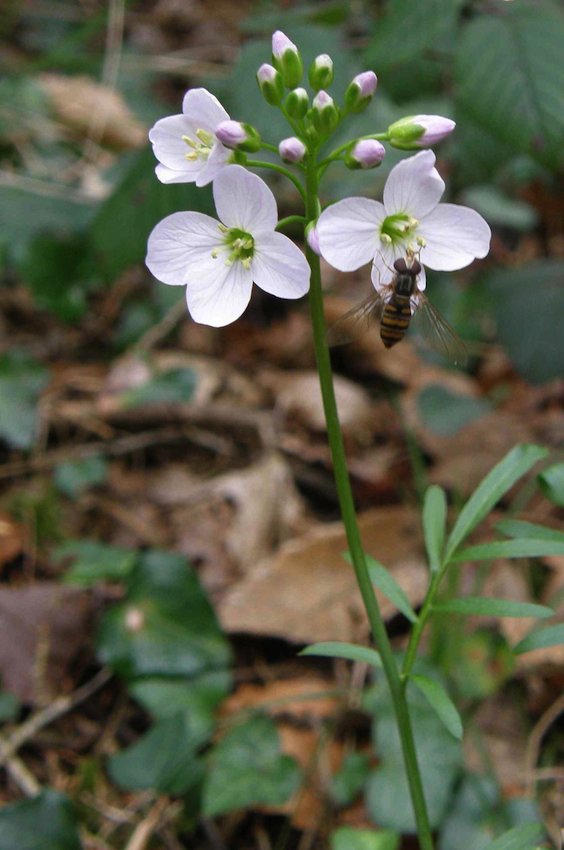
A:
<point x="523" y="837"/>
<point x="45" y="822"/>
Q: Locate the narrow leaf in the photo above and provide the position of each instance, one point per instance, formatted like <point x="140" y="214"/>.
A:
<point x="520" y="528"/>
<point x="386" y="583"/>
<point x="438" y="699"/>
<point x="484" y="606"/>
<point x="541" y="639"/>
<point x="523" y="837"/>
<point x="350" y="651"/>
<point x="496" y="483"/>
<point x="551" y="482"/>
<point x="434" y="525"/>
<point x="520" y="548"/>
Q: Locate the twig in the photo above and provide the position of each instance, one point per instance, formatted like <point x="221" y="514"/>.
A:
<point x="533" y="745"/>
<point x="22" y="776"/>
<point x="62" y="705"/>
<point x="163" y="327"/>
<point x="144" y="830"/>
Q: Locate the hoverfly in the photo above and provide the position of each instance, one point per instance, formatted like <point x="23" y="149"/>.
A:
<point x="393" y="307"/>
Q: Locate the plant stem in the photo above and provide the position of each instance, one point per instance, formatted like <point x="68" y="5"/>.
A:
<point x="348" y="513"/>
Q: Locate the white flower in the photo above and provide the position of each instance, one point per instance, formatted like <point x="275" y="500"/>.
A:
<point x="186" y="146"/>
<point x="218" y="261"/>
<point x="411" y="220"/>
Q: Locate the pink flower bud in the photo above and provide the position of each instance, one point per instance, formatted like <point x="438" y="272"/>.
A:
<point x="286" y="59"/>
<point x="271" y="84"/>
<point x="266" y="73"/>
<point x="360" y="91"/>
<point x="419" y="131"/>
<point x="292" y="149"/>
<point x="325" y="113"/>
<point x="238" y="136"/>
<point x="366" y="153"/>
<point x="321" y="72"/>
<point x="281" y="43"/>
<point x="322" y="100"/>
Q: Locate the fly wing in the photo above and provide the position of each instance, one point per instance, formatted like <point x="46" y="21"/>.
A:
<point x="357" y="321"/>
<point x="437" y="331"/>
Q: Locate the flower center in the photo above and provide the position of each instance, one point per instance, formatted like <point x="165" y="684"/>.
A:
<point x="240" y="246"/>
<point x="200" y="146"/>
<point x="398" y="228"/>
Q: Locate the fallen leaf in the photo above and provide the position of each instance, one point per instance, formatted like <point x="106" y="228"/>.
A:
<point x="307" y="592"/>
<point x="12" y="538"/>
<point x="302" y="698"/>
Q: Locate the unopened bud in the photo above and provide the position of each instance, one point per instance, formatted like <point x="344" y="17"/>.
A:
<point x="366" y="153"/>
<point x="238" y="136"/>
<point x="271" y="84"/>
<point x="321" y="72"/>
<point x="360" y="91"/>
<point x="292" y="150"/>
<point x="312" y="238"/>
<point x="324" y="113"/>
<point x="297" y="103"/>
<point x="286" y="59"/>
<point x="419" y="131"/>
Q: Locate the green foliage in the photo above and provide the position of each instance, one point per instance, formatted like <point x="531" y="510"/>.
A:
<point x="173" y="387"/>
<point x="93" y="561"/>
<point x="486" y="606"/>
<point x="434" y="525"/>
<point x="525" y="548"/>
<point x="551" y="482"/>
<point x="479" y="662"/>
<point x="166" y="625"/>
<point x="74" y="477"/>
<point x="508" y="81"/>
<point x="386" y="584"/>
<point x="541" y="639"/>
<point x="437" y="697"/>
<point x="445" y="412"/>
<point x="45" y="822"/>
<point x="350" y="778"/>
<point x="164" y="759"/>
<point x="246" y="767"/>
<point x="527" y="305"/>
<point x="21" y="381"/>
<point x="350" y="651"/>
<point x="349" y="838"/>
<point x="9" y="706"/>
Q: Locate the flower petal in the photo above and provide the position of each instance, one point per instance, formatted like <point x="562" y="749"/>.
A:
<point x="279" y="267"/>
<point x="414" y="186"/>
<point x="170" y="149"/>
<point x="168" y="175"/>
<point x="455" y="236"/>
<point x="178" y="243"/>
<point x="244" y="200"/>
<point x="348" y="232"/>
<point x="383" y="271"/>
<point x="219" y="157"/>
<point x="203" y="110"/>
<point x="217" y="294"/>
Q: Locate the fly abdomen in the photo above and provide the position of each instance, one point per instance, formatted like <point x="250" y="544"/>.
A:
<point x="395" y="320"/>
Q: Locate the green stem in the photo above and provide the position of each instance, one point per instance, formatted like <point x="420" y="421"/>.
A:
<point x="290" y="219"/>
<point x="258" y="163"/>
<point x="348" y="514"/>
<point x="335" y="154"/>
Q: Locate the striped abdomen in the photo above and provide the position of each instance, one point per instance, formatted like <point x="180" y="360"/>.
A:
<point x="395" y="320"/>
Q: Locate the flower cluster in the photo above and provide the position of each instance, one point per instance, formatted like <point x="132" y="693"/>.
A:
<point x="218" y="260"/>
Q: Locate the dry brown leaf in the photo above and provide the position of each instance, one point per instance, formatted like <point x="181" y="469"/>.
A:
<point x="88" y="107"/>
<point x="307" y="592"/>
<point x="42" y="628"/>
<point x="12" y="538"/>
<point x="302" y="698"/>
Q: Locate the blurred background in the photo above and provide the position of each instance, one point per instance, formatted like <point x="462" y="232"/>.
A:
<point x="169" y="535"/>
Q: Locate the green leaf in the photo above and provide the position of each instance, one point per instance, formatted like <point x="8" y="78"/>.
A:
<point x="198" y="698"/>
<point x="74" y="477"/>
<point x="434" y="524"/>
<point x="21" y="381"/>
<point x="347" y="783"/>
<point x="445" y="412"/>
<point x="551" y="482"/>
<point x="45" y="822"/>
<point x="247" y="767"/>
<point x="174" y="387"/>
<point x="94" y="561"/>
<point x="123" y="222"/>
<point x="350" y="651"/>
<point x="497" y="482"/>
<point x="9" y="706"/>
<point x="527" y="317"/>
<point x="541" y="639"/>
<point x="520" y="528"/>
<point x="166" y="625"/>
<point x="499" y="209"/>
<point x="516" y="90"/>
<point x="441" y="702"/>
<point x="349" y="838"/>
<point x="386" y="584"/>
<point x="520" y="548"/>
<point x="164" y="759"/>
<point x="524" y="837"/>
<point x="486" y="607"/>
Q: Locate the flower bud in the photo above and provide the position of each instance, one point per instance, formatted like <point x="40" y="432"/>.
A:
<point x="286" y="59"/>
<point x="419" y="131"/>
<point x="325" y="114"/>
<point x="360" y="91"/>
<point x="297" y="103"/>
<point x="366" y="153"/>
<point x="271" y="84"/>
<point x="238" y="136"/>
<point x="292" y="149"/>
<point x="321" y="72"/>
<point x="312" y="238"/>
